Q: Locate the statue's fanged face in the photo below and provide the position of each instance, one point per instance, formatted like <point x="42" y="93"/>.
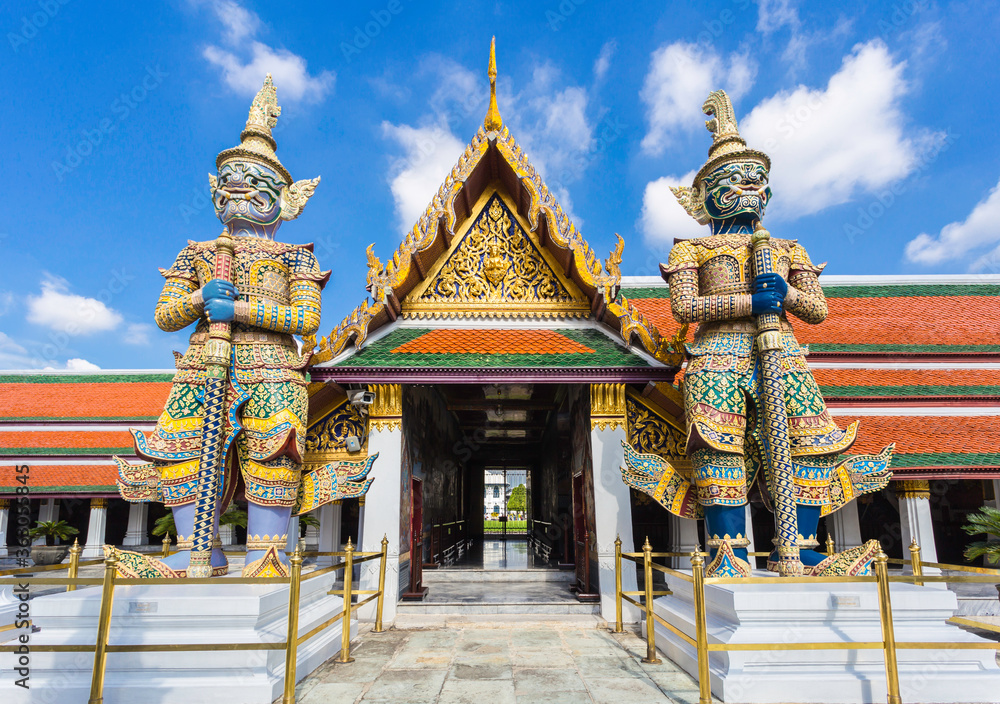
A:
<point x="737" y="189"/>
<point x="247" y="192"/>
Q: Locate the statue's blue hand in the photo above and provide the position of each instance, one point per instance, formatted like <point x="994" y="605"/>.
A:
<point x="220" y="310"/>
<point x="771" y="282"/>
<point x="217" y="288"/>
<point x="766" y="301"/>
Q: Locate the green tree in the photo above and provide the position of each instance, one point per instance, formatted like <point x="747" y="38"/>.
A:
<point x="518" y="499"/>
<point x="53" y="531"/>
<point x="985" y="522"/>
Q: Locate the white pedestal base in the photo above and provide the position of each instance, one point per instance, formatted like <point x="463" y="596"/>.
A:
<point x="167" y="614"/>
<point x="795" y="613"/>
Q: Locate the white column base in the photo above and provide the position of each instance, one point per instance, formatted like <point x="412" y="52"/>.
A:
<point x="4" y="520"/>
<point x="846" y="527"/>
<point x="96" y="530"/>
<point x="683" y="538"/>
<point x="136" y="533"/>
<point x="382" y="520"/>
<point x="762" y="613"/>
<point x="329" y="532"/>
<point x="172" y="614"/>
<point x="227" y="536"/>
<point x="613" y="509"/>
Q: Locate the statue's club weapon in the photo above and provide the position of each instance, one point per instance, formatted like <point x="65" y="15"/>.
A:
<point x="776" y="417"/>
<point x="214" y="443"/>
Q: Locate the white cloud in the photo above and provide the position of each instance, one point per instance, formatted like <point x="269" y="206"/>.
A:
<point x="431" y="152"/>
<point x="239" y="22"/>
<point x="662" y="217"/>
<point x="80" y="365"/>
<point x="827" y="145"/>
<point x="680" y="77"/>
<point x="244" y="71"/>
<point x="603" y="62"/>
<point x="772" y="15"/>
<point x="957" y="239"/>
<point x="137" y="334"/>
<point x="69" y="313"/>
<point x="13" y="355"/>
<point x="7" y="299"/>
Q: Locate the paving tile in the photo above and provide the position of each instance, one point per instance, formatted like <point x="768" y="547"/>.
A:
<point x="407" y="687"/>
<point x="615" y="690"/>
<point x="542" y="659"/>
<point x="528" y="680"/>
<point x="339" y="692"/>
<point x="420" y="659"/>
<point x="357" y="671"/>
<point x="556" y="698"/>
<point x="483" y="692"/>
<point x="480" y="671"/>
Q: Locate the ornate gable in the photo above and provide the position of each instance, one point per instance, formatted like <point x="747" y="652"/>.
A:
<point x="495" y="269"/>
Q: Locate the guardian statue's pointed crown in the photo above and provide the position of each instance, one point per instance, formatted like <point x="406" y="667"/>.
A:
<point x="256" y="142"/>
<point x="728" y="148"/>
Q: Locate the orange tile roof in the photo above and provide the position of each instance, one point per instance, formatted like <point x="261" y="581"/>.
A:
<point x="83" y="400"/>
<point x="911" y="320"/>
<point x="44" y="477"/>
<point x="64" y="439"/>
<point x="926" y="434"/>
<point x="905" y="320"/>
<point x="907" y="377"/>
<point x="492" y="341"/>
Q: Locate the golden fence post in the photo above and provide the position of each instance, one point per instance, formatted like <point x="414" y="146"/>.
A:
<point x="103" y="627"/>
<point x="831" y="547"/>
<point x="381" y="585"/>
<point x="74" y="563"/>
<point x="888" y="635"/>
<point x="618" y="585"/>
<point x="291" y="649"/>
<point x="166" y="545"/>
<point x="918" y="569"/>
<point x="345" y="634"/>
<point x="701" y="627"/>
<point x="647" y="561"/>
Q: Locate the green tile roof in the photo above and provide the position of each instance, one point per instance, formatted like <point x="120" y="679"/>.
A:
<point x="606" y="354"/>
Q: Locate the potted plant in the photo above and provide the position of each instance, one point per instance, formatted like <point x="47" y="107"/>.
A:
<point x="233" y="516"/>
<point x="52" y="553"/>
<point x="985" y="522"/>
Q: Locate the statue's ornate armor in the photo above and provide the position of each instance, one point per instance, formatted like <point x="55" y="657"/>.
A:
<point x="279" y="286"/>
<point x="711" y="284"/>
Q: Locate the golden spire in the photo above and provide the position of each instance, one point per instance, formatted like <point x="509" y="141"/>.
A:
<point x="493" y="121"/>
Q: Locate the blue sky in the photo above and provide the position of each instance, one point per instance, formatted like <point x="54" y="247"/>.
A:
<point x="880" y="118"/>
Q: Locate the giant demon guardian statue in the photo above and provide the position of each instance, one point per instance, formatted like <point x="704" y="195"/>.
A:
<point x="755" y="416"/>
<point x="236" y="415"/>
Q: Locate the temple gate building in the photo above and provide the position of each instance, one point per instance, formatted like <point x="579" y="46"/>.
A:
<point x="494" y="340"/>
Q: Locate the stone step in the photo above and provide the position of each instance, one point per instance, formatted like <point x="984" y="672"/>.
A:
<point x="451" y="575"/>
<point x="480" y="608"/>
<point x="488" y="621"/>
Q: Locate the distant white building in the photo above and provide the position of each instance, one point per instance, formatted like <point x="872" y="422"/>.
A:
<point x="497" y="489"/>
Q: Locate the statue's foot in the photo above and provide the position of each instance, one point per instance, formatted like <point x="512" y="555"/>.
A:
<point x="727" y="564"/>
<point x="267" y="563"/>
<point x="134" y="565"/>
<point x="853" y="562"/>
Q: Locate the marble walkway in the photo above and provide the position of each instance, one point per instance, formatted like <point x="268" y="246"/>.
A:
<point x="504" y="664"/>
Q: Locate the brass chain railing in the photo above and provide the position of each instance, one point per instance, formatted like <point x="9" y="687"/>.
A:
<point x="292" y="640"/>
<point x="881" y="578"/>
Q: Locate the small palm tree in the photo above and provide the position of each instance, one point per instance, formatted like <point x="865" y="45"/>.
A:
<point x="985" y="522"/>
<point x="165" y="524"/>
<point x="53" y="531"/>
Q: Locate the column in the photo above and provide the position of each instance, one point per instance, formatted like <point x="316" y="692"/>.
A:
<point x="683" y="538"/>
<point x="385" y="436"/>
<point x="846" y="526"/>
<point x="227" y="536"/>
<point x="293" y="534"/>
<point x="95" y="529"/>
<point x="749" y="534"/>
<point x="612" y="502"/>
<point x="136" y="533"/>
<point x="915" y="520"/>
<point x="329" y="531"/>
<point x="312" y="538"/>
<point x="4" y="520"/>
<point x="996" y="493"/>
<point x="48" y="511"/>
